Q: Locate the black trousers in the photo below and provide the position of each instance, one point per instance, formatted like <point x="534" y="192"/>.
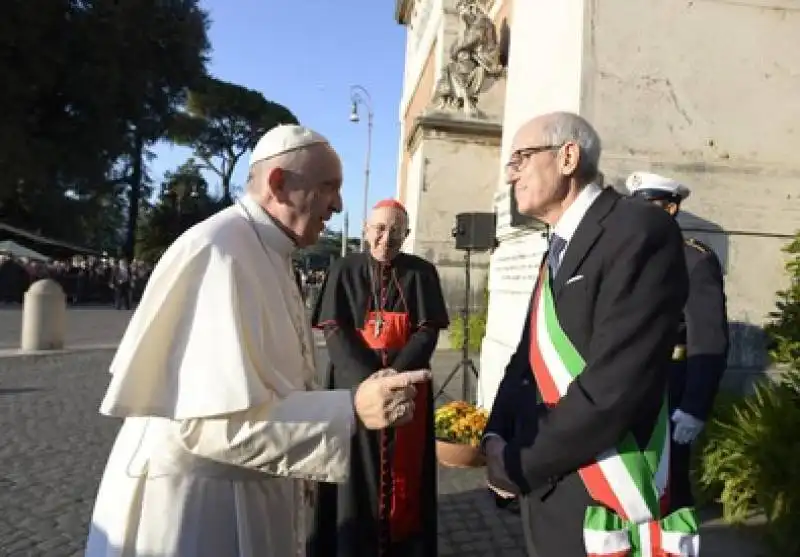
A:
<point x="680" y="488"/>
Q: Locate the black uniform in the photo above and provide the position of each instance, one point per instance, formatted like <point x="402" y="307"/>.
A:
<point x="701" y="356"/>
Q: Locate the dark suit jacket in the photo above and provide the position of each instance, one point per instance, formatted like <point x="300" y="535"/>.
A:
<point x="694" y="382"/>
<point x="623" y="318"/>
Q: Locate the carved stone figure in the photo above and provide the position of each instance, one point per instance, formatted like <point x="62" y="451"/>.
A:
<point x="474" y="57"/>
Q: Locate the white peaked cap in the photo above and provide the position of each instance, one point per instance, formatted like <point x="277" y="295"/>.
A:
<point x="282" y="139"/>
<point x="639" y="181"/>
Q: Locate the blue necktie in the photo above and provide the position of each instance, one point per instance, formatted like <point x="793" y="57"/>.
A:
<point x="557" y="245"/>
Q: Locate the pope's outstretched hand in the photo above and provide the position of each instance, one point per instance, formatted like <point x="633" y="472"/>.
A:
<point x="386" y="398"/>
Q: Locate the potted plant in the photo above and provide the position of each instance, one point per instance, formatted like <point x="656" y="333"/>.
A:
<point x="459" y="427"/>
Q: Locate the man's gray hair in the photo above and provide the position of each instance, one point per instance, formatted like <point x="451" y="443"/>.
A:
<point x="565" y="127"/>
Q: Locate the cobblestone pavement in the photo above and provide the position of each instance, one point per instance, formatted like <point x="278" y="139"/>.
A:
<point x="54" y="447"/>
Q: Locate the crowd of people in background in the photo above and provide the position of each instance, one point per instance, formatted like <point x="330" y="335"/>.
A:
<point x="85" y="280"/>
<point x="104" y="280"/>
<point x="309" y="281"/>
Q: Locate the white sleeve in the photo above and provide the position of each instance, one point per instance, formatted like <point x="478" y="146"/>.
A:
<point x="307" y="435"/>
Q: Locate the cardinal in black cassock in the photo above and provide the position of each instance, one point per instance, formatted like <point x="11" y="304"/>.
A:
<point x="382" y="309"/>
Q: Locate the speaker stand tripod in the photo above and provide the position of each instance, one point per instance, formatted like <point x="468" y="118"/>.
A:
<point x="466" y="365"/>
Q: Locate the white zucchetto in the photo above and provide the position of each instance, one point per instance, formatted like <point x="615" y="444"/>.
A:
<point x="283" y="139"/>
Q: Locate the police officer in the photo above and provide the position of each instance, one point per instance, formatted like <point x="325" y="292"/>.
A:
<point x="700" y="357"/>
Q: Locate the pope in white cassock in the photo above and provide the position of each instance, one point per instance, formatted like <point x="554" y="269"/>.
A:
<point x="224" y="432"/>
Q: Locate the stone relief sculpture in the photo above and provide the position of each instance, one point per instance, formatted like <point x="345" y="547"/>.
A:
<point x="474" y="61"/>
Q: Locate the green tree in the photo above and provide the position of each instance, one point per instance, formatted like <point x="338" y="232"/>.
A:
<point x="88" y="86"/>
<point x="751" y="450"/>
<point x="58" y="128"/>
<point x="99" y="218"/>
<point x="327" y="248"/>
<point x="183" y="202"/>
<point x="164" y="43"/>
<point x="51" y="131"/>
<point x="223" y="121"/>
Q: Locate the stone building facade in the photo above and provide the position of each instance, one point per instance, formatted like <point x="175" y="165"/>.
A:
<point x="447" y="160"/>
<point x="704" y="91"/>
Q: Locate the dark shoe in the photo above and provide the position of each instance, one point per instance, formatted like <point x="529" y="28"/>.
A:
<point x="511" y="505"/>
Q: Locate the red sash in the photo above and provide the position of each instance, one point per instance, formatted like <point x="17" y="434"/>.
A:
<point x="404" y="477"/>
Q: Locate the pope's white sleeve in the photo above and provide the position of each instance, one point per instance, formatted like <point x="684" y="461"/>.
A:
<point x="306" y="435"/>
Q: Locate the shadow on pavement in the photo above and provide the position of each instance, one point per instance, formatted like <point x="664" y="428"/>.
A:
<point x="19" y="390"/>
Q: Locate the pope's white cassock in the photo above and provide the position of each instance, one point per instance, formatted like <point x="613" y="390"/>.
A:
<point x="223" y="436"/>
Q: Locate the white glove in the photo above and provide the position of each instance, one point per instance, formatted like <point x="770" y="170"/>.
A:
<point x="687" y="427"/>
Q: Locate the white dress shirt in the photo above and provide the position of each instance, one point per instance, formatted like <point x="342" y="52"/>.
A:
<point x="568" y="223"/>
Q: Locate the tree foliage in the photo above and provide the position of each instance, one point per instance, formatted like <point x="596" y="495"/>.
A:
<point x="750" y="451"/>
<point x="183" y="202"/>
<point x="476" y="325"/>
<point x="223" y="121"/>
<point x="165" y="43"/>
<point x="88" y="86"/>
<point x="326" y="249"/>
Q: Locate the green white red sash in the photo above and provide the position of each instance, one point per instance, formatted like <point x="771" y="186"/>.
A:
<point x="629" y="483"/>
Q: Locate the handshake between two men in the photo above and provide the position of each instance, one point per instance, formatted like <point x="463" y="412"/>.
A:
<point x="386" y="398"/>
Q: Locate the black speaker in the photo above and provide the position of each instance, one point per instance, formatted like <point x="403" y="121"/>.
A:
<point x="475" y="231"/>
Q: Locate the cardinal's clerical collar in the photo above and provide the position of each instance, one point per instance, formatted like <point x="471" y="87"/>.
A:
<point x="383" y="265"/>
<point x="268" y="230"/>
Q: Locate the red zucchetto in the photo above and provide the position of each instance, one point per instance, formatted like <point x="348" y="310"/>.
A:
<point x="390" y="203"/>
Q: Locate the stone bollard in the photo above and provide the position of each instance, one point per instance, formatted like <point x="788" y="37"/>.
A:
<point x="44" y="317"/>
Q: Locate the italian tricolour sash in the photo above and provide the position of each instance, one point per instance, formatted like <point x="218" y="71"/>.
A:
<point x="628" y="484"/>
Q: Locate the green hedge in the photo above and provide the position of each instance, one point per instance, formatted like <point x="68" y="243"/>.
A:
<point x="749" y="455"/>
<point x="750" y="460"/>
<point x="477" y="326"/>
<point x="708" y="487"/>
<point x="477" y="330"/>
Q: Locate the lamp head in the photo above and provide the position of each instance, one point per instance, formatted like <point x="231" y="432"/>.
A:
<point x="354" y="112"/>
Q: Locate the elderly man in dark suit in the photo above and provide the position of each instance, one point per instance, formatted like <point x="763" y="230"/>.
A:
<point x="579" y="428"/>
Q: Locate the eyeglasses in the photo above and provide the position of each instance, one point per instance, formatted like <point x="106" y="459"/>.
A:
<point x="521" y="155"/>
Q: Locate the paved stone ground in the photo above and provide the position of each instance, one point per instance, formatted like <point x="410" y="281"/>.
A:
<point x="54" y="447"/>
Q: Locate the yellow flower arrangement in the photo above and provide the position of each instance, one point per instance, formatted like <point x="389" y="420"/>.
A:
<point x="460" y="422"/>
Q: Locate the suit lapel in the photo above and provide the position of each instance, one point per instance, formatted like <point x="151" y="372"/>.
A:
<point x="586" y="235"/>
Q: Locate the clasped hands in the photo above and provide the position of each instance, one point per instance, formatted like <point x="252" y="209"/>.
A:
<point x="386" y="398"/>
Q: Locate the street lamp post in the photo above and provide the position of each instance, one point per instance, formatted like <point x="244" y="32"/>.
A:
<point x="360" y="96"/>
<point x="344" y="235"/>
